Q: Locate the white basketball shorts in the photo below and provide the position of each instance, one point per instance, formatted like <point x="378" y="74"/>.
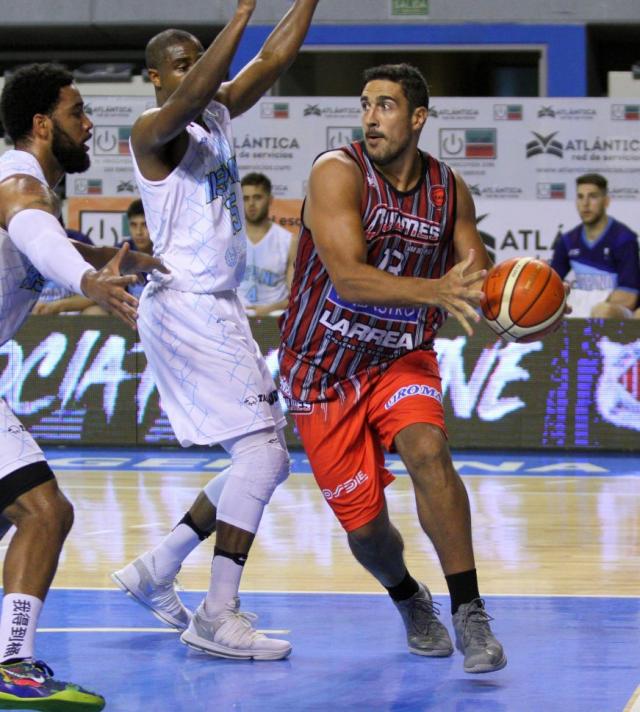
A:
<point x="22" y="462"/>
<point x="213" y="382"/>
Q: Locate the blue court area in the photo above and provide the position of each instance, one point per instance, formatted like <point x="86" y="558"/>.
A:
<point x="349" y="653"/>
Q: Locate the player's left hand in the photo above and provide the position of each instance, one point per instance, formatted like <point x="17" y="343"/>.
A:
<point x="136" y="262"/>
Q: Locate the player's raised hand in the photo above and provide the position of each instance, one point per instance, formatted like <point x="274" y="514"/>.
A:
<point x="135" y="262"/>
<point x="248" y="5"/>
<point x="458" y="292"/>
<point x="108" y="288"/>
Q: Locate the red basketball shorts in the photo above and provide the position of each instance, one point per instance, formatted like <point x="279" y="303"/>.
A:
<point x="345" y="441"/>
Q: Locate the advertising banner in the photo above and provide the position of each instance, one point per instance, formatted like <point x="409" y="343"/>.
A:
<point x="84" y="380"/>
<point x="520" y="158"/>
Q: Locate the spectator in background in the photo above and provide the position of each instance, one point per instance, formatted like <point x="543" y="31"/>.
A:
<point x="55" y="299"/>
<point x="271" y="251"/>
<point x="140" y="241"/>
<point x="138" y="230"/>
<point x="603" y="255"/>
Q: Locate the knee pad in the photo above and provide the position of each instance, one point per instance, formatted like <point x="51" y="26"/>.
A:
<point x="259" y="463"/>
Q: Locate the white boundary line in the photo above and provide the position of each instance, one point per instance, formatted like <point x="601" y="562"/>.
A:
<point x="276" y="631"/>
<point x="634" y="703"/>
<point x="364" y="593"/>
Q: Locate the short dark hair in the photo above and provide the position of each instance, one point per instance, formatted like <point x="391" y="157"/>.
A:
<point x="157" y="46"/>
<point x="414" y="85"/>
<point x="259" y="179"/>
<point x="32" y="89"/>
<point x="135" y="208"/>
<point x="593" y="179"/>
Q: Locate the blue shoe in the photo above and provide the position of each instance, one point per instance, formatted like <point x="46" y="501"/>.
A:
<point x="30" y="685"/>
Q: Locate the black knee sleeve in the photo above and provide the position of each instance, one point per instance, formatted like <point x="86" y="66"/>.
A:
<point x="240" y="559"/>
<point x="22" y="480"/>
<point x="188" y="520"/>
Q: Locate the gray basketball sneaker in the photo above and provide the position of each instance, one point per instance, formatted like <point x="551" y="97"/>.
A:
<point x="426" y="635"/>
<point x="231" y="635"/>
<point x="138" y="580"/>
<point x="482" y="652"/>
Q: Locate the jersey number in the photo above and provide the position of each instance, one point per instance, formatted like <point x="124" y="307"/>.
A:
<point x="392" y="261"/>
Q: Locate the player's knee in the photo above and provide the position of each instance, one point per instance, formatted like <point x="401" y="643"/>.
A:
<point x="262" y="465"/>
<point x="50" y="513"/>
<point x="428" y="454"/>
<point x="373" y="534"/>
<point x="274" y="471"/>
<point x="65" y="514"/>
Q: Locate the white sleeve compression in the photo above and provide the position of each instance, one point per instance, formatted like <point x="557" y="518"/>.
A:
<point x="39" y="236"/>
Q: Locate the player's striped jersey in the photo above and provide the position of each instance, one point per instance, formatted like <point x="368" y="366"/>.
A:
<point x="20" y="281"/>
<point x="330" y="345"/>
<point x="195" y="215"/>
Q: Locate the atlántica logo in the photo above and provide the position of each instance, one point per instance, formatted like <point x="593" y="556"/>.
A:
<point x="544" y="144"/>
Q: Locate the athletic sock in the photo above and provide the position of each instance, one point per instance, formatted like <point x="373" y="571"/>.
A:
<point x="173" y="550"/>
<point x="405" y="589"/>
<point x="226" y="572"/>
<point x="20" y="613"/>
<point x="463" y="588"/>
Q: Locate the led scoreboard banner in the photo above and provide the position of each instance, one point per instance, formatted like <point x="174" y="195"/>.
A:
<point x="85" y="380"/>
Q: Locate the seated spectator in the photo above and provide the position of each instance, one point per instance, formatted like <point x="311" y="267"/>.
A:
<point x="140" y="240"/>
<point x="271" y="252"/>
<point x="603" y="255"/>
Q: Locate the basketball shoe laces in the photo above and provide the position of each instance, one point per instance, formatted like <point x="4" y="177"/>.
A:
<point x="424" y="612"/>
<point x="476" y="624"/>
<point x="238" y="628"/>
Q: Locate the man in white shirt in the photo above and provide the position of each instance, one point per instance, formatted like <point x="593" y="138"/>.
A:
<point x="43" y="114"/>
<point x="214" y="384"/>
<point x="271" y="251"/>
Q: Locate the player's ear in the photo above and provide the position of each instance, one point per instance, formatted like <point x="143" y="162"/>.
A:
<point x="154" y="77"/>
<point x="41" y="126"/>
<point x="419" y="117"/>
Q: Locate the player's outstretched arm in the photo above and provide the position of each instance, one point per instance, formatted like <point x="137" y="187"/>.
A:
<point x="133" y="262"/>
<point x="28" y="214"/>
<point x="332" y="213"/>
<point x="277" y="53"/>
<point x="157" y="127"/>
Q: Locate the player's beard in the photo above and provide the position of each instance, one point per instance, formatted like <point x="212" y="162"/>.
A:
<point x="260" y="217"/>
<point x="594" y="219"/>
<point x="71" y="156"/>
<point x="385" y="157"/>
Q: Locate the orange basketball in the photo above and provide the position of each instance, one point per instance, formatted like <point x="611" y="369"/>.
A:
<point x="523" y="299"/>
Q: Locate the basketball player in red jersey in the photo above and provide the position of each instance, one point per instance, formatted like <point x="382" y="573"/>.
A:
<point x="388" y="247"/>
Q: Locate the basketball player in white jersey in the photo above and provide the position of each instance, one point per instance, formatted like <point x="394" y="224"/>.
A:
<point x="271" y="251"/>
<point x="43" y="114"/>
<point x="213" y="382"/>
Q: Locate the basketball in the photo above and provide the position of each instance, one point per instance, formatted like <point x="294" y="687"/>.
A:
<point x="523" y="299"/>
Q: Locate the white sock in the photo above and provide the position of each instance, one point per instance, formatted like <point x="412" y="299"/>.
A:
<point x="20" y="613"/>
<point x="223" y="585"/>
<point x="173" y="550"/>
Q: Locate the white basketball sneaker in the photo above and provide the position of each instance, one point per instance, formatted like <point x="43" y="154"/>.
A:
<point x="139" y="581"/>
<point x="231" y="635"/>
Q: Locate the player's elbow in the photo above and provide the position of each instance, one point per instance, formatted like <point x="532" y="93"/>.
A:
<point x="347" y="288"/>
